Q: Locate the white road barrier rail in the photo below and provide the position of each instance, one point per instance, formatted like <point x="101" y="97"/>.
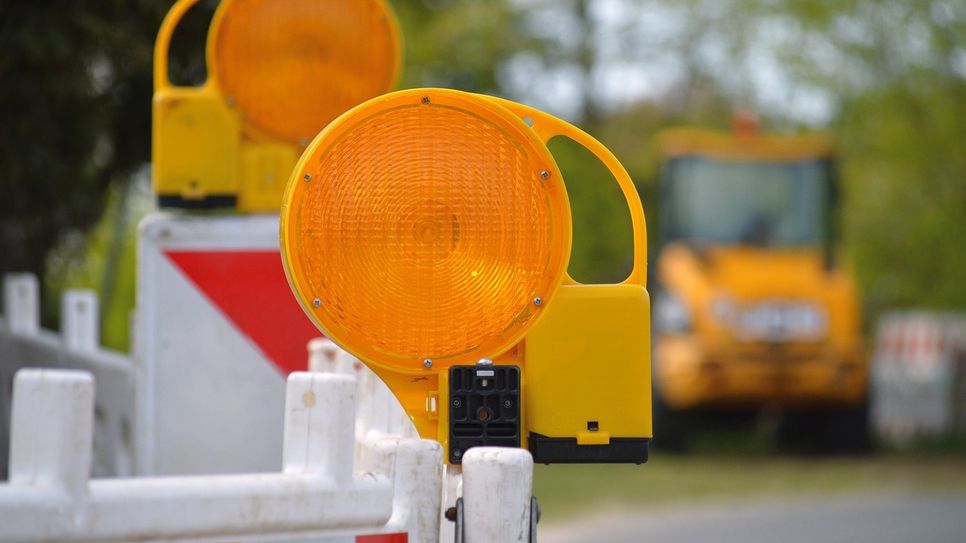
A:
<point x="24" y="343"/>
<point x="348" y="474"/>
<point x="49" y="496"/>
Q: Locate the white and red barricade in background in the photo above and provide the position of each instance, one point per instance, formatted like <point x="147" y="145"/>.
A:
<point x="919" y="376"/>
<point x="218" y="330"/>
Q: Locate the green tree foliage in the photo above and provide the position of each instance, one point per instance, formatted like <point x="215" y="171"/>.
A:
<point x="460" y="44"/>
<point x="602" y="247"/>
<point x="75" y="105"/>
<point x="905" y="167"/>
<point x="901" y="130"/>
<point x="103" y="259"/>
<point x="56" y="157"/>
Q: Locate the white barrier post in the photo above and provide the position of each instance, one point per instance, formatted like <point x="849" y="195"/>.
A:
<point x="323" y="355"/>
<point x="21" y="301"/>
<point x="79" y="320"/>
<point x="497" y="486"/>
<point x="378" y="409"/>
<point x="415" y="465"/>
<point x="319" y="425"/>
<point x="50" y="431"/>
<point x="382" y="426"/>
<point x="327" y="357"/>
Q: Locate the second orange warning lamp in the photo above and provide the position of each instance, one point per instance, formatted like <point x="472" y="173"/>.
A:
<point x="278" y="72"/>
<point x="427" y="232"/>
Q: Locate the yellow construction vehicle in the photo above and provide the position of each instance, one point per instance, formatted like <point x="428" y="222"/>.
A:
<point x="754" y="311"/>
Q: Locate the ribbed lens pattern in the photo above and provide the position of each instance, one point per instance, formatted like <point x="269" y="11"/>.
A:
<point x="292" y="66"/>
<point x="427" y="231"/>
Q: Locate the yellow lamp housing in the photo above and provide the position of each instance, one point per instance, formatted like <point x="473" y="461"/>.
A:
<point x="428" y="232"/>
<point x="278" y="72"/>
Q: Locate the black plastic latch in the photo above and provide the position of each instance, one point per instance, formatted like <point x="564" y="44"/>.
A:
<point x="484" y="408"/>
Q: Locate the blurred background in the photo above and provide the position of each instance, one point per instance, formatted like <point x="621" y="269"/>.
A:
<point x="879" y="87"/>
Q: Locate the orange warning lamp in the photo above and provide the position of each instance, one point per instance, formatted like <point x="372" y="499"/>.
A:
<point x="428" y="232"/>
<point x="278" y="72"/>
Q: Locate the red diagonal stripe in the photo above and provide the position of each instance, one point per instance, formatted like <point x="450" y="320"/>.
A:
<point x="250" y="289"/>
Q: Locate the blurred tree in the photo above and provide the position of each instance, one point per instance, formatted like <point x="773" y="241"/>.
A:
<point x="461" y="44"/>
<point x="75" y="105"/>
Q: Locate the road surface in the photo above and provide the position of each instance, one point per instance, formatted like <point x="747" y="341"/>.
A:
<point x="882" y="518"/>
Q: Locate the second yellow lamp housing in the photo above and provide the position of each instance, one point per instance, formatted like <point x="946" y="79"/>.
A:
<point x="278" y="72"/>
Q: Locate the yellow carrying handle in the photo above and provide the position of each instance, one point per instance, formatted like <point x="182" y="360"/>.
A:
<point x="163" y="42"/>
<point x="547" y="127"/>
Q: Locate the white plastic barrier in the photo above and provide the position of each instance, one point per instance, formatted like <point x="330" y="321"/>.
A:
<point x="497" y="485"/>
<point x="23" y="343"/>
<point x="919" y="376"/>
<point x="62" y="432"/>
<point x="50" y="498"/>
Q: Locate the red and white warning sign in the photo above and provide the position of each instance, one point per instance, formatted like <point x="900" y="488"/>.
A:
<point x="218" y="329"/>
<point x="249" y="288"/>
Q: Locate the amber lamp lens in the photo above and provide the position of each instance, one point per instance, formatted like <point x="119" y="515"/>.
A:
<point x="291" y="66"/>
<point x="425" y="226"/>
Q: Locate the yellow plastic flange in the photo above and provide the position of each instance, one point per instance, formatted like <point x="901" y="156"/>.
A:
<point x="162" y="43"/>
<point x="547" y="127"/>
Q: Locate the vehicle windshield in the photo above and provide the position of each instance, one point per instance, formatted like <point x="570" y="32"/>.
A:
<point x="757" y="203"/>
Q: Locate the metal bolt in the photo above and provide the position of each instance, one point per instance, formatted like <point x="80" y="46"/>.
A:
<point x="316" y="302"/>
<point x="538" y="301"/>
<point x="457" y="453"/>
<point x="450" y="514"/>
<point x="457" y="403"/>
<point x="484" y="362"/>
<point x="428" y="363"/>
<point x="544" y="174"/>
<point x="307" y="177"/>
<point x="507" y="404"/>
